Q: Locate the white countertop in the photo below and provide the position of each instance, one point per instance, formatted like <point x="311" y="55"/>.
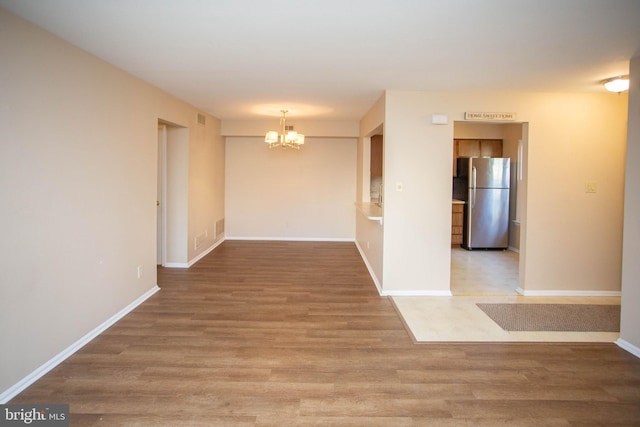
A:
<point x="458" y="202"/>
<point x="371" y="210"/>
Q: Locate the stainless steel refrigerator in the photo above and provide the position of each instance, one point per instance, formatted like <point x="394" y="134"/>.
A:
<point x="485" y="189"/>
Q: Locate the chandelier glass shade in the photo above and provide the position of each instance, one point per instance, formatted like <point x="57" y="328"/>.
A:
<point x="287" y="138"/>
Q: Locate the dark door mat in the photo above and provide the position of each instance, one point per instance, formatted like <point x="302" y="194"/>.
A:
<point x="554" y="317"/>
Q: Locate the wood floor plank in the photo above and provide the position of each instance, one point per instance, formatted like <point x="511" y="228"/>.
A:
<point x="294" y="333"/>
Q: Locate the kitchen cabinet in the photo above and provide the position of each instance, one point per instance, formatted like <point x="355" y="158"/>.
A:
<point x="475" y="148"/>
<point x="490" y="148"/>
<point x="376" y="155"/>
<point x="467" y="147"/>
<point x="457" y="221"/>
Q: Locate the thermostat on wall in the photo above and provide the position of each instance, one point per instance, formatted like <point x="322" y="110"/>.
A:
<point x="439" y="119"/>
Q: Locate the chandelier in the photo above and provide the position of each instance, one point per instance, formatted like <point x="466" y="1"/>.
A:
<point x="288" y="138"/>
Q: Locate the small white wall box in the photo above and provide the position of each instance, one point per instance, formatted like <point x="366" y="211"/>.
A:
<point x="439" y="119"/>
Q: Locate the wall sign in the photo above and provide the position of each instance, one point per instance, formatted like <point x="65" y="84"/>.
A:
<point x="489" y="117"/>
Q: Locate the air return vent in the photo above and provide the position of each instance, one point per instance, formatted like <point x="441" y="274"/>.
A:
<point x="202" y="119"/>
<point x="218" y="228"/>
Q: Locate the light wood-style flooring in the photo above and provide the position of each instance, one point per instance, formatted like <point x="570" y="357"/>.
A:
<point x="294" y="333"/>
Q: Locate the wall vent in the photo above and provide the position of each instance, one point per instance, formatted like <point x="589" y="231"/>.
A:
<point x="218" y="227"/>
<point x="202" y="119"/>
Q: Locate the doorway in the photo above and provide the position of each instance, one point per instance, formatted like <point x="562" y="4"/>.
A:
<point x="161" y="210"/>
<point x="492" y="272"/>
<point x="171" y="195"/>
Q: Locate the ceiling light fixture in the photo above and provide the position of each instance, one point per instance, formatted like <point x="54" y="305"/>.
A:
<point x="617" y="84"/>
<point x="288" y="138"/>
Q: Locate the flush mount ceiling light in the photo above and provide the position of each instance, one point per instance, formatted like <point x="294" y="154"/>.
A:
<point x="287" y="138"/>
<point x="617" y="84"/>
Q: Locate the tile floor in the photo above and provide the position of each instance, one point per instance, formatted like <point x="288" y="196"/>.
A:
<point x="484" y="272"/>
<point x="489" y="277"/>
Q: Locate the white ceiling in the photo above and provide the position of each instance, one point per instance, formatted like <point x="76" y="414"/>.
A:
<point x="332" y="59"/>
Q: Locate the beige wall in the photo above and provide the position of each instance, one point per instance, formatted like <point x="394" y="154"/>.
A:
<point x="316" y="128"/>
<point x="573" y="138"/>
<point x="78" y="178"/>
<point x="629" y="332"/>
<point x="473" y="130"/>
<point x="417" y="220"/>
<point x="289" y="194"/>
<point x="206" y="187"/>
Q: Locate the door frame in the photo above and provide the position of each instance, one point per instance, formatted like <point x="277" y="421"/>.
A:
<point x="161" y="197"/>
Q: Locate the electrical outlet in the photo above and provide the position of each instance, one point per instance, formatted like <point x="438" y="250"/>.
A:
<point x="590" y="187"/>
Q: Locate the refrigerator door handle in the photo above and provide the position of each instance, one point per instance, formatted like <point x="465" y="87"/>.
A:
<point x="473" y="186"/>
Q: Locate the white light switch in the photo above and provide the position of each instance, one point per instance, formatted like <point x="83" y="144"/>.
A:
<point x="398" y="186"/>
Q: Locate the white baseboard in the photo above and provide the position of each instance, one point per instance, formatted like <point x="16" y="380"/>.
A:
<point x="176" y="265"/>
<point x="295" y="239"/>
<point x="18" y="387"/>
<point x="626" y="345"/>
<point x="418" y="293"/>
<point x="205" y="252"/>
<point x="369" y="268"/>
<point x="196" y="259"/>
<point x="568" y="293"/>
